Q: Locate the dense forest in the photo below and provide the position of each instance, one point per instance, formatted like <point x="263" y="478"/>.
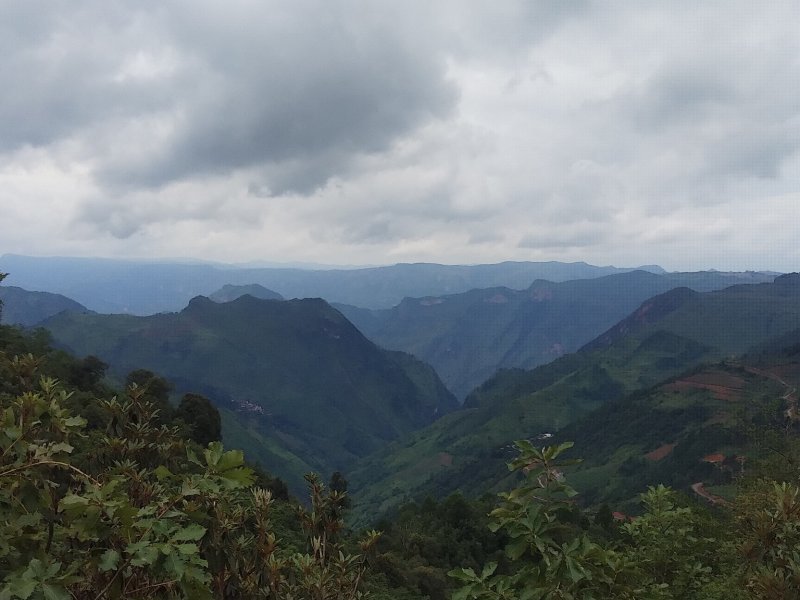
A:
<point x="117" y="493"/>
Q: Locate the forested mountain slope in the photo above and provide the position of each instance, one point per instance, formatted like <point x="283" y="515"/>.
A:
<point x="299" y="388"/>
<point x="466" y="337"/>
<point x="665" y="337"/>
<point x="21" y="307"/>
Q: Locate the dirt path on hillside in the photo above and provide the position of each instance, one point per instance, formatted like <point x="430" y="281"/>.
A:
<point x="701" y="491"/>
<point x="791" y="400"/>
<point x="789" y="396"/>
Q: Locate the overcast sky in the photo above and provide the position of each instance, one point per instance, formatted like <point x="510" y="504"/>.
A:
<point x="372" y="132"/>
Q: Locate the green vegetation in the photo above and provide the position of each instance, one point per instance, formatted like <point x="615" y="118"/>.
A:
<point x="128" y="508"/>
<point x="102" y="496"/>
<point x="22" y="307"/>
<point x="126" y="495"/>
<point x="467" y="337"/>
<point x="298" y="387"/>
<point x="608" y="398"/>
<point x="673" y="550"/>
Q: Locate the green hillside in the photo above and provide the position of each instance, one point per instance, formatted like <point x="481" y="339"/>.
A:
<point x="22" y="307"/>
<point x="299" y="388"/>
<point x="468" y="336"/>
<point x="664" y="338"/>
<point x="690" y="429"/>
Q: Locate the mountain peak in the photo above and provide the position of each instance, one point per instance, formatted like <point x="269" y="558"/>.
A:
<point x="230" y="292"/>
<point x="650" y="311"/>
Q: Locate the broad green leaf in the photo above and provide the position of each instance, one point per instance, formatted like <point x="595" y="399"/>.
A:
<point x="488" y="570"/>
<point x="73" y="504"/>
<point x="516" y="549"/>
<point x="241" y="476"/>
<point x="188" y="548"/>
<point x="62" y="447"/>
<point x="230" y="460"/>
<point x="13" y="433"/>
<point x="55" y="592"/>
<point x="192" y="533"/>
<point x="146" y="556"/>
<point x="175" y="565"/>
<point x="109" y="560"/>
<point x="21" y="587"/>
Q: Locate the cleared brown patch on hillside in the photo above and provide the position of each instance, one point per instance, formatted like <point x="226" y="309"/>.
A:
<point x="722" y="385"/>
<point x="714" y="459"/>
<point x="787" y="372"/>
<point x="445" y="459"/>
<point x="660" y="452"/>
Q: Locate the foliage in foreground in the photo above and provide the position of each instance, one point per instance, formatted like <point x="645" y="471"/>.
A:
<point x="132" y="510"/>
<point x="110" y="499"/>
<point x="672" y="551"/>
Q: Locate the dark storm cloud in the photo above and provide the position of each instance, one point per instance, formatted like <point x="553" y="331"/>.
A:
<point x="445" y="130"/>
<point x="57" y="67"/>
<point x="297" y="89"/>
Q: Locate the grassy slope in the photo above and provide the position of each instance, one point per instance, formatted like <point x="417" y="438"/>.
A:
<point x="703" y="412"/>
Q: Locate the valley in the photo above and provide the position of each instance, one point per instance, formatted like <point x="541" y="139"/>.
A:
<point x="641" y="380"/>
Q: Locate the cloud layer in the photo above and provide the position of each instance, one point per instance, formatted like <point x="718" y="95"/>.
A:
<point x="353" y="132"/>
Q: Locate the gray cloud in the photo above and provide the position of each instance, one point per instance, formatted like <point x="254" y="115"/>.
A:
<point x="299" y="92"/>
<point x="452" y="131"/>
<point x="578" y="237"/>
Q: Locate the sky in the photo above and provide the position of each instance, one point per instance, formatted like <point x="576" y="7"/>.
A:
<point x="376" y="132"/>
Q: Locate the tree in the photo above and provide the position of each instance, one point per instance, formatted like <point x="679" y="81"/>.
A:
<point x="156" y="388"/>
<point x="87" y="373"/>
<point x="768" y="530"/>
<point x="551" y="556"/>
<point x="339" y="484"/>
<point x="202" y="416"/>
<point x="132" y="509"/>
<point x="669" y="545"/>
<point x="2" y="276"/>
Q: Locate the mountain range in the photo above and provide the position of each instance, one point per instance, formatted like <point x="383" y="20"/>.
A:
<point x="299" y="388"/>
<point x="22" y="307"/>
<point x="466" y="337"/>
<point x="667" y="336"/>
<point x="142" y="288"/>
<point x="636" y="367"/>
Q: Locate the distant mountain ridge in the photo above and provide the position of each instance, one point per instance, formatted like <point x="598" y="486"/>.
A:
<point x="299" y="387"/>
<point x="22" y="307"/>
<point x="229" y="293"/>
<point x="468" y="336"/>
<point x="664" y="337"/>
<point x="117" y="286"/>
